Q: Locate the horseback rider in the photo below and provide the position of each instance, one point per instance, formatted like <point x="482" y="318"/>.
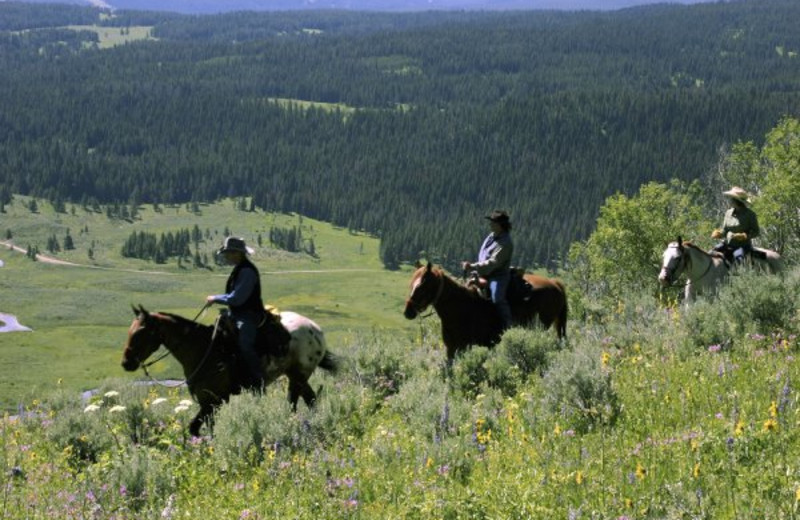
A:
<point x="243" y="298"/>
<point x="739" y="226"/>
<point x="494" y="262"/>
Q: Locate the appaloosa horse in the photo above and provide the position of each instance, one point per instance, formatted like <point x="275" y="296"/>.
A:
<point x="704" y="271"/>
<point x="468" y="318"/>
<point x="204" y="352"/>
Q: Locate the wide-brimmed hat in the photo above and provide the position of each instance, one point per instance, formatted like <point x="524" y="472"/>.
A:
<point x="499" y="216"/>
<point x="738" y="193"/>
<point x="235" y="244"/>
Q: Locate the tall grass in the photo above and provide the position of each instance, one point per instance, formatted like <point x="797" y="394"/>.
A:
<point x="649" y="411"/>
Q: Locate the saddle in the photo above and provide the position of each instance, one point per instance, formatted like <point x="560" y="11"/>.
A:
<point x="727" y="253"/>
<point x="519" y="290"/>
<point x="272" y="338"/>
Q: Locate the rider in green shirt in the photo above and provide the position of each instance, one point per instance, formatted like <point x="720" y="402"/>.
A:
<point x="739" y="226"/>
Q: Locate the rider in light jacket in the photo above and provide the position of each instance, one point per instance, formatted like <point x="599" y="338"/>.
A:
<point x="494" y="262"/>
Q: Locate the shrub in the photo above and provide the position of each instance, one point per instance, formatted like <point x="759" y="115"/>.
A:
<point x="577" y="388"/>
<point x="469" y="371"/>
<point x="706" y="323"/>
<point x="141" y="477"/>
<point x="765" y="302"/>
<point x="528" y="349"/>
<point x="247" y="427"/>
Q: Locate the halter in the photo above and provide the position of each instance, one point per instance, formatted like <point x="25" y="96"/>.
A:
<point x="682" y="249"/>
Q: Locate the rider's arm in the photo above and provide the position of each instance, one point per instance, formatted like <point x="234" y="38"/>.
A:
<point x="242" y="289"/>
<point x="499" y="257"/>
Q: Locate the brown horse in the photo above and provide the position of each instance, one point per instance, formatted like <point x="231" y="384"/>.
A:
<point x="471" y="319"/>
<point x="206" y="357"/>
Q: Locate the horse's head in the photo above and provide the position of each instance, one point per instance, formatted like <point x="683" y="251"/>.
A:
<point x="672" y="263"/>
<point x="144" y="338"/>
<point x="426" y="287"/>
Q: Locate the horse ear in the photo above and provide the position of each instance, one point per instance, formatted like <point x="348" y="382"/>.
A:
<point x="429" y="266"/>
<point x="680" y="240"/>
<point x="140" y="310"/>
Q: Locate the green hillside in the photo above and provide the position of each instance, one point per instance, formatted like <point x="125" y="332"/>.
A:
<point x="444" y="116"/>
<point x="80" y="313"/>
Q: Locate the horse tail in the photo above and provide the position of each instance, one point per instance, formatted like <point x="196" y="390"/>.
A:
<point x="562" y="320"/>
<point x="562" y="314"/>
<point x="329" y="362"/>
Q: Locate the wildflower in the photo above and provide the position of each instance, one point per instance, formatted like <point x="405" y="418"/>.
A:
<point x="429" y="462"/>
<point x="158" y="401"/>
<point x="557" y="430"/>
<point x="185" y="402"/>
<point x="797" y="495"/>
<point x="111" y="393"/>
<point x="715" y="348"/>
<point x="773" y="410"/>
<point x="739" y="428"/>
<point x="696" y="470"/>
<point x="117" y="408"/>
<point x="770" y="425"/>
<point x="606" y="358"/>
<point x="91" y="408"/>
<point x="579" y="478"/>
<point x="641" y="472"/>
<point x="181" y="408"/>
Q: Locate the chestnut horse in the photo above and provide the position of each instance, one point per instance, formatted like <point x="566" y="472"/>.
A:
<point x="469" y="318"/>
<point x="205" y="353"/>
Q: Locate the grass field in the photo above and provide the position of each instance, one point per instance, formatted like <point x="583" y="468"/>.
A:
<point x="650" y="410"/>
<point x="80" y="315"/>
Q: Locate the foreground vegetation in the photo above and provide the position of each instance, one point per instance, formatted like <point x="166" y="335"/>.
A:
<point x="650" y="411"/>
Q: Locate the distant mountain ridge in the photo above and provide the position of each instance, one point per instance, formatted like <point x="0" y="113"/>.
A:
<point x="221" y="6"/>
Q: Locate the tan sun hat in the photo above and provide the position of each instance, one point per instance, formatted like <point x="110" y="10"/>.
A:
<point x="738" y="193"/>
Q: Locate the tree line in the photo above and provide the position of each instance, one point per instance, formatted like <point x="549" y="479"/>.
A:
<point x="431" y="120"/>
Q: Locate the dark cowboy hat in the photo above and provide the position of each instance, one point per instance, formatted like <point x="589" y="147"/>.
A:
<point x="499" y="216"/>
<point x="235" y="244"/>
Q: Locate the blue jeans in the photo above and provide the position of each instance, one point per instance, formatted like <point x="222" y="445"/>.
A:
<point x="499" y="286"/>
<point x="247" y="323"/>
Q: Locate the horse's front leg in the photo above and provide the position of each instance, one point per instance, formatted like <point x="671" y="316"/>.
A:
<point x="205" y="415"/>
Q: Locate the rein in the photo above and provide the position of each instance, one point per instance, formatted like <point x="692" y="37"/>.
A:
<point x="188" y="380"/>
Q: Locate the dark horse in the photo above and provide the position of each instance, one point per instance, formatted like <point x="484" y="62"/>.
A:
<point x="206" y="357"/>
<point x="471" y="319"/>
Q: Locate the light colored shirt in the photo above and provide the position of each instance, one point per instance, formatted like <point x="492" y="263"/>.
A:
<point x="494" y="258"/>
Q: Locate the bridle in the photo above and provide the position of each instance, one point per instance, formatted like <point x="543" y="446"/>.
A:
<point x="681" y="260"/>
<point x="420" y="308"/>
<point x="160" y="338"/>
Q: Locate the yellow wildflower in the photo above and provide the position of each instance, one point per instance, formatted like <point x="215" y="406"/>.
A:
<point x="641" y="472"/>
<point x="696" y="470"/>
<point x="579" y="478"/>
<point x="773" y="410"/>
<point x="606" y="358"/>
<point x="739" y="428"/>
<point x="770" y="425"/>
<point x="557" y="430"/>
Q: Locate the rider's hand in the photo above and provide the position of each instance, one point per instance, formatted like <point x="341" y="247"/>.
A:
<point x="466" y="266"/>
<point x="740" y="237"/>
<point x="717" y="233"/>
<point x="209" y="299"/>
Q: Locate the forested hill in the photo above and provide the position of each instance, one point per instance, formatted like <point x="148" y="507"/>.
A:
<point x="411" y="126"/>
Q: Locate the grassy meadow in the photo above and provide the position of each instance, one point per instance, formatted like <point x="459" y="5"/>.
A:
<point x="80" y="315"/>
<point x="650" y="410"/>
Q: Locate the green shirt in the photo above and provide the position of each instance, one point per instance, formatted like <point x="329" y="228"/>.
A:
<point x="740" y="220"/>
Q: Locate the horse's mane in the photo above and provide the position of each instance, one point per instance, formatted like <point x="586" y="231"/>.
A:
<point x="715" y="254"/>
<point x="180" y="320"/>
<point x="467" y="290"/>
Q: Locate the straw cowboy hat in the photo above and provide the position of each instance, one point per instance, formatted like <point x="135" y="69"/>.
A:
<point x="738" y="193"/>
<point x="235" y="244"/>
